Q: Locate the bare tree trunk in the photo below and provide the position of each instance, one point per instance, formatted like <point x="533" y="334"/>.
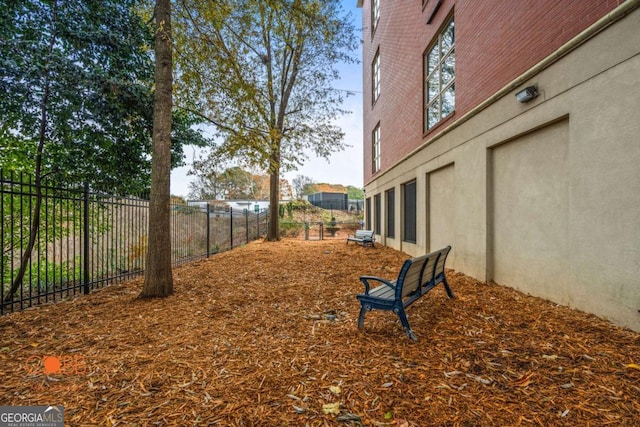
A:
<point x="158" y="280"/>
<point x="273" y="232"/>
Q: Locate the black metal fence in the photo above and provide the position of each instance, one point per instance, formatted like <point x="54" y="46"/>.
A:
<point x="58" y="242"/>
<point x="318" y="230"/>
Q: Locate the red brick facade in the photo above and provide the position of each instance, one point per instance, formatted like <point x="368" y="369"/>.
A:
<point x="495" y="42"/>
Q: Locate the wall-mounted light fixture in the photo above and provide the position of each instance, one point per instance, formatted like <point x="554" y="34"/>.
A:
<point x="527" y="94"/>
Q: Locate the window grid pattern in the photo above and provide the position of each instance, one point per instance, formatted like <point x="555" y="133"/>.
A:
<point x="375" y="14"/>
<point x="439" y="77"/>
<point x="375" y="81"/>
<point x="375" y="154"/>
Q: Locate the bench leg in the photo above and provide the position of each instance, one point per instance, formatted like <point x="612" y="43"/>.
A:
<point x="363" y="310"/>
<point x="411" y="335"/>
<point x="447" y="288"/>
<point x="405" y="324"/>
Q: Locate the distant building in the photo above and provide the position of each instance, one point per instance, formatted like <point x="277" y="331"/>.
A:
<point x="511" y="131"/>
<point x="338" y="201"/>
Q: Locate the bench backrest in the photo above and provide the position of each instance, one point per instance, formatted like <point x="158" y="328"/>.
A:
<point x="444" y="252"/>
<point x="421" y="271"/>
<point x="436" y="265"/>
<point x="410" y="276"/>
<point x="430" y="268"/>
<point x="364" y="234"/>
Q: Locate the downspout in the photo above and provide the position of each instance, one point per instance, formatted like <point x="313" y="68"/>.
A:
<point x="615" y="15"/>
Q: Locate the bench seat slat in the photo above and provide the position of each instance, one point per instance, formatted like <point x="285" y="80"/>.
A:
<point x="383" y="292"/>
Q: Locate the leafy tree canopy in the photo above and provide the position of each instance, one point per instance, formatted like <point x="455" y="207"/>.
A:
<point x="93" y="61"/>
<point x="302" y="185"/>
<point x="262" y="72"/>
<point x="233" y="182"/>
<point x="355" y="193"/>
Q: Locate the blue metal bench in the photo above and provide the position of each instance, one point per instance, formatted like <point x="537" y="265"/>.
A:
<point x="364" y="237"/>
<point x="416" y="278"/>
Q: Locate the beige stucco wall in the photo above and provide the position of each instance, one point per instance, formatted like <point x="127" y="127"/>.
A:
<point x="441" y="210"/>
<point x="543" y="196"/>
<point x="528" y="221"/>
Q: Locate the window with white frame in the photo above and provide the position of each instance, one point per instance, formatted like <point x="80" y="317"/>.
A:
<point x="439" y="77"/>
<point x="375" y="14"/>
<point x="375" y="154"/>
<point x="375" y="77"/>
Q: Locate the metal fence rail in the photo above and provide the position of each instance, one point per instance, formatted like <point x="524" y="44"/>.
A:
<point x="84" y="240"/>
<point x="318" y="230"/>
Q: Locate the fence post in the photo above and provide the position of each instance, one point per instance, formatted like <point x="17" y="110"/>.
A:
<point x="208" y="229"/>
<point x="86" y="239"/>
<point x="246" y="223"/>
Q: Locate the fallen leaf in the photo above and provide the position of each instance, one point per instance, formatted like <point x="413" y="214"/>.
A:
<point x="524" y="380"/>
<point x="480" y="379"/>
<point x="331" y="408"/>
<point x="633" y="366"/>
<point x="335" y="389"/>
<point x="264" y="367"/>
<point x="349" y="417"/>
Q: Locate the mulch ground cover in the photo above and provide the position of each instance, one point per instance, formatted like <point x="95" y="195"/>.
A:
<point x="266" y="335"/>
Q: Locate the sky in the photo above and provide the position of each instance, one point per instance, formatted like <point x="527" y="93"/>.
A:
<point x="344" y="167"/>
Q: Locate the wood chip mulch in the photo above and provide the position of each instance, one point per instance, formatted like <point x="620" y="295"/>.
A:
<point x="266" y="335"/>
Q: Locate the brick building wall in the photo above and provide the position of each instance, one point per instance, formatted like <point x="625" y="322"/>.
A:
<point x="496" y="41"/>
<point x="542" y="196"/>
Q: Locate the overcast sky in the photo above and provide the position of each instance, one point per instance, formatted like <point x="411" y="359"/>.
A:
<point x="344" y="167"/>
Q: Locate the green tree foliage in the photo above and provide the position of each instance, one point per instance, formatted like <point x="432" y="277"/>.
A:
<point x="77" y="89"/>
<point x="301" y="184"/>
<point x="262" y="72"/>
<point x="232" y="183"/>
<point x="237" y="183"/>
<point x="76" y="104"/>
<point x="355" y="193"/>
